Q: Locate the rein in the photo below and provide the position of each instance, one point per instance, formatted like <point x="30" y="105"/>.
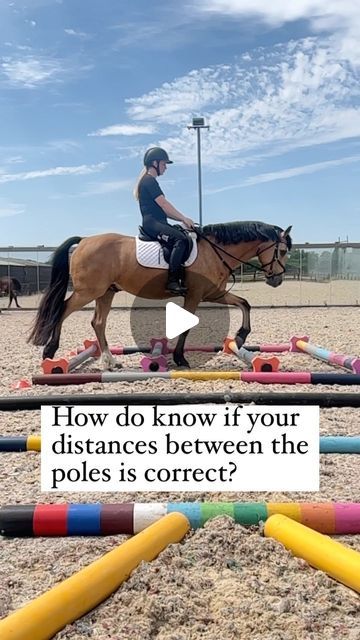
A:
<point x="217" y="249"/>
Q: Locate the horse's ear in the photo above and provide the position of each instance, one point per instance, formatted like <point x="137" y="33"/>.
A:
<point x="287" y="231"/>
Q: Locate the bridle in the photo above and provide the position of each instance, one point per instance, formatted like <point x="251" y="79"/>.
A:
<point x="275" y="259"/>
<point x="268" y="273"/>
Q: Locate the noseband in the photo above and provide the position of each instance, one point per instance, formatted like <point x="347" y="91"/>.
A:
<point x="275" y="260"/>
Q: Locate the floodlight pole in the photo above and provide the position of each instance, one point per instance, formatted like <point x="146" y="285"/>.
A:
<point x="198" y="124"/>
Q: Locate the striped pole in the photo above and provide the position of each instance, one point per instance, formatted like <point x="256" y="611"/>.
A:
<point x="322" y="399"/>
<point x="20" y="443"/>
<point x="352" y="363"/>
<point x="42" y="618"/>
<point x="129" y="518"/>
<point x="276" y="377"/>
<point x="328" y="444"/>
<point x="335" y="559"/>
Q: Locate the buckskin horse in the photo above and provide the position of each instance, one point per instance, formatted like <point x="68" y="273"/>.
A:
<point x="11" y="287"/>
<point x="104" y="264"/>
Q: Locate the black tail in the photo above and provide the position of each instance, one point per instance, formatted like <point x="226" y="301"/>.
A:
<point x="53" y="301"/>
<point x="17" y="285"/>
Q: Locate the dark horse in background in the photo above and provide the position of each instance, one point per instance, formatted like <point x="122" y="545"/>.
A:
<point x="104" y="264"/>
<point x="11" y="287"/>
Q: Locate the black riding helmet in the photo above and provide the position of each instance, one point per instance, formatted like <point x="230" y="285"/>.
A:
<point x="156" y="153"/>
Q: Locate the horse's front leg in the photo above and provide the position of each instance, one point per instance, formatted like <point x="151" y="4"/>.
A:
<point x="236" y="301"/>
<point x="190" y="305"/>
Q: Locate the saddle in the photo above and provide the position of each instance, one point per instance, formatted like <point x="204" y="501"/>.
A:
<point x="152" y="253"/>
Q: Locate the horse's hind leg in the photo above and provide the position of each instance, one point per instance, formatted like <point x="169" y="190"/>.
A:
<point x="11" y="298"/>
<point x="76" y="301"/>
<point x="102" y="308"/>
<point x="16" y="300"/>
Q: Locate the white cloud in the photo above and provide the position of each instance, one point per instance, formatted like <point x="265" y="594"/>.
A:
<point x="284" y="174"/>
<point x="173" y="103"/>
<point x="56" y="171"/>
<point x="14" y="160"/>
<point x="341" y="18"/>
<point x="8" y="210"/>
<point x="124" y="130"/>
<point x="30" y="72"/>
<point x="77" y="34"/>
<point x="298" y="171"/>
<point x="293" y="95"/>
<point x="107" y="187"/>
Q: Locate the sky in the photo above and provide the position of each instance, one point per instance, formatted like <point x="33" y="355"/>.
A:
<point x="86" y="86"/>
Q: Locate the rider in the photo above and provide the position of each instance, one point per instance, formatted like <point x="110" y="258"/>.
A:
<point x="155" y="208"/>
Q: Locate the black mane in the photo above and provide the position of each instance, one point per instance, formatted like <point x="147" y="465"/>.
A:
<point x="234" y="232"/>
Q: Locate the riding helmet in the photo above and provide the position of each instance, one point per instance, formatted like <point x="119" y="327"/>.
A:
<point x="156" y="153"/>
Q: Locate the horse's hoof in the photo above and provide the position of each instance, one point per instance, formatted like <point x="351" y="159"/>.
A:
<point x="182" y="362"/>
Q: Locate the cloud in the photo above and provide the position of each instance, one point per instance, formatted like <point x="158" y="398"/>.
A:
<point x="341" y="18"/>
<point x="124" y="130"/>
<point x="77" y="34"/>
<point x="107" y="187"/>
<point x="30" y="72"/>
<point x="8" y="210"/>
<point x="284" y="174"/>
<point x="57" y="171"/>
<point x="297" y="171"/>
<point x="278" y="99"/>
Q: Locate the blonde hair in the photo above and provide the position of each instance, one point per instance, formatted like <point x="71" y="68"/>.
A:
<point x="136" y="188"/>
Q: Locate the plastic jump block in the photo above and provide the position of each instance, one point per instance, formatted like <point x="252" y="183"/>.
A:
<point x="256" y="363"/>
<point x="66" y="365"/>
<point x="156" y="360"/>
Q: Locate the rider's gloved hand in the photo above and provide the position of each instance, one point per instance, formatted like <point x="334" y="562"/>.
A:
<point x="188" y="223"/>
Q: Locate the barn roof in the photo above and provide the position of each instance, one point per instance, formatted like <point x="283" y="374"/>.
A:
<point x="19" y="262"/>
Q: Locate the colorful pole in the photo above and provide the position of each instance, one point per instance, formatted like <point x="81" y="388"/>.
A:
<point x="352" y="363"/>
<point x="129" y="518"/>
<point x="42" y="618"/>
<point x="322" y="399"/>
<point x="276" y="377"/>
<point x="20" y="443"/>
<point x="328" y="444"/>
<point x="337" y="560"/>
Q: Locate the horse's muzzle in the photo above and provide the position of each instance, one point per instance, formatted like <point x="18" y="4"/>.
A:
<point x="275" y="280"/>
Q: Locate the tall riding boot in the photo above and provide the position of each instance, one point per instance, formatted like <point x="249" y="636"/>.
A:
<point x="174" y="283"/>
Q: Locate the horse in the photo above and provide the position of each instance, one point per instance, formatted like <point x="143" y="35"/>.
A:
<point x="11" y="287"/>
<point x="103" y="264"/>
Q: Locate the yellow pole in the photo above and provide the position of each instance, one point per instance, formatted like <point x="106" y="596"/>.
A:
<point x="206" y="375"/>
<point x="337" y="560"/>
<point x="42" y="618"/>
<point x="33" y="443"/>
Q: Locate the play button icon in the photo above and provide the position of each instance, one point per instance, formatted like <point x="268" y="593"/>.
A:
<point x="178" y="320"/>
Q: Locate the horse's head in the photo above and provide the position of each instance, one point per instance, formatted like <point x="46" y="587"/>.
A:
<point x="273" y="256"/>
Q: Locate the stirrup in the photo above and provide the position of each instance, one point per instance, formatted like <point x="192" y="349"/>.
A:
<point x="176" y="288"/>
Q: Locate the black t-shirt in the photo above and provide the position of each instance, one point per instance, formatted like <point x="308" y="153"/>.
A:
<point x="149" y="190"/>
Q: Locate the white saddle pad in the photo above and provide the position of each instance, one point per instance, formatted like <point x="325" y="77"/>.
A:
<point x="150" y="254"/>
